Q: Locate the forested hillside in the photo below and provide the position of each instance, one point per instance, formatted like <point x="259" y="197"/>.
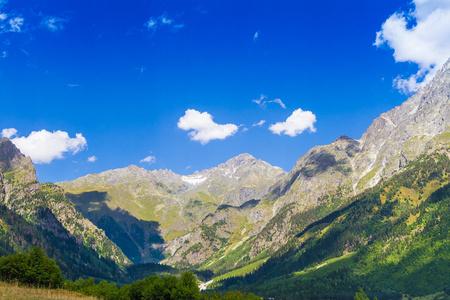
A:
<point x="391" y="240"/>
<point x="34" y="214"/>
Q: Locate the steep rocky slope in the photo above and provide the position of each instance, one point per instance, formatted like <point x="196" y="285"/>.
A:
<point x="331" y="173"/>
<point x="149" y="209"/>
<point x="390" y="236"/>
<point x="44" y="210"/>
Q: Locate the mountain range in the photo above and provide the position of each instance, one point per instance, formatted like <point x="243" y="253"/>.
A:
<point x="352" y="212"/>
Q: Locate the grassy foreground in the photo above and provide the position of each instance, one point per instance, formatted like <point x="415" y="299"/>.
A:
<point x="13" y="292"/>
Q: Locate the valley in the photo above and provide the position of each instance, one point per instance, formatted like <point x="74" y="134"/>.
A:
<point x="371" y="213"/>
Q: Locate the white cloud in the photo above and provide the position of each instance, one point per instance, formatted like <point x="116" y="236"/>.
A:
<point x="9" y="132"/>
<point x="54" y="23"/>
<point x="15" y="24"/>
<point x="263" y="103"/>
<point x="165" y="20"/>
<point x="73" y="85"/>
<point x="278" y="101"/>
<point x="3" y="16"/>
<point x="151" y="24"/>
<point x="92" y="158"/>
<point x="259" y="124"/>
<point x="149" y="159"/>
<point x="256" y="35"/>
<point x="204" y="129"/>
<point x="420" y="36"/>
<point x="298" y="122"/>
<point x="44" y="146"/>
<point x="4" y="54"/>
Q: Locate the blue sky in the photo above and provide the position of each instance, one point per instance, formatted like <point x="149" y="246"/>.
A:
<point x="87" y="86"/>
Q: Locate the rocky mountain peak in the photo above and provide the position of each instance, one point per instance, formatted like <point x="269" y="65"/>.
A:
<point x="166" y="175"/>
<point x="12" y="158"/>
<point x="421" y="124"/>
<point x="241" y="159"/>
<point x="133" y="168"/>
<point x="344" y="138"/>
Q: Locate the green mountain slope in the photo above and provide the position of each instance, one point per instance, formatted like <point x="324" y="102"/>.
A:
<point x="151" y="214"/>
<point x="392" y="239"/>
<point x="39" y="214"/>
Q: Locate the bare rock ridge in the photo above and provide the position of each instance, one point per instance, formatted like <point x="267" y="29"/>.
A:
<point x="401" y="134"/>
<point x="12" y="158"/>
<point x="394" y="138"/>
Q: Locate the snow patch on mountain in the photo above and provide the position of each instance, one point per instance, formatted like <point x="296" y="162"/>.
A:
<point x="194" y="180"/>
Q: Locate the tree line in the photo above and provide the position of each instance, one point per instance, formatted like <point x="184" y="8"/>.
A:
<point x="34" y="268"/>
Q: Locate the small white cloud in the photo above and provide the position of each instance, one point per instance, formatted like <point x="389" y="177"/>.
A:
<point x="9" y="132"/>
<point x="278" y="101"/>
<point x="421" y="36"/>
<point x="261" y="101"/>
<point x="73" y="85"/>
<point x="244" y="129"/>
<point x="54" y="23"/>
<point x="259" y="124"/>
<point x="4" y="54"/>
<point x="151" y="24"/>
<point x="92" y="158"/>
<point x="298" y="122"/>
<point x="256" y="35"/>
<point x="188" y="167"/>
<point x="44" y="146"/>
<point x="16" y="24"/>
<point x="165" y="20"/>
<point x="3" y="16"/>
<point x="204" y="129"/>
<point x="149" y="159"/>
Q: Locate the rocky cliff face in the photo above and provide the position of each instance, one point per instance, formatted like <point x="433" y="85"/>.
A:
<point x="419" y="125"/>
<point x="19" y="171"/>
<point x="45" y="207"/>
